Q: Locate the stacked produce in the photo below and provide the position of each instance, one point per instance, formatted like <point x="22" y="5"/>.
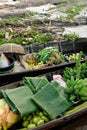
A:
<point x="78" y="72"/>
<point x="73" y="57"/>
<point x="76" y="80"/>
<point x="45" y="57"/>
<point x="29" y="61"/>
<point x="50" y="55"/>
<point x="77" y="89"/>
<point x="35" y="119"/>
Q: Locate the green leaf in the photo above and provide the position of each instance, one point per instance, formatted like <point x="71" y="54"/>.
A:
<point x="21" y="98"/>
<point x="50" y="100"/>
<point x="36" y="83"/>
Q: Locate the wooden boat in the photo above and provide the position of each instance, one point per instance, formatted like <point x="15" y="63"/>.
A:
<point x="74" y="121"/>
<point x="66" y="47"/>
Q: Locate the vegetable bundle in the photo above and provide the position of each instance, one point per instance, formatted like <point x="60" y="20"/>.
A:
<point x="74" y="72"/>
<point x="47" y="56"/>
<point x="78" y="72"/>
<point x="77" y="89"/>
<point x="50" y="55"/>
<point x="76" y="79"/>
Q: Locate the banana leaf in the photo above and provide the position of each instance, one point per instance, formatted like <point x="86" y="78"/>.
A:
<point x="21" y="98"/>
<point x="10" y="103"/>
<point x="50" y="100"/>
<point x="35" y="83"/>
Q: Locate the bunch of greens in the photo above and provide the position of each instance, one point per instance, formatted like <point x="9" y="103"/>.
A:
<point x="78" y="72"/>
<point x="77" y="90"/>
<point x="50" y="55"/>
<point x="76" y="80"/>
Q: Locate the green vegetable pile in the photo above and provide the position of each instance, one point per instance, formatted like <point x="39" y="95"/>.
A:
<point x="76" y="80"/>
<point x="77" y="90"/>
<point x="73" y="57"/>
<point x="50" y="55"/>
<point x="78" y="72"/>
<point x="74" y="72"/>
<point x="35" y="119"/>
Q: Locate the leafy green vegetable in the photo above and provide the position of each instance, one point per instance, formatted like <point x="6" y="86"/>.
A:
<point x="76" y="89"/>
<point x="78" y="72"/>
<point x="76" y="86"/>
<point x="47" y="54"/>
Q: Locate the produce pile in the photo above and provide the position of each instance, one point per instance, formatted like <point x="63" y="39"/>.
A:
<point x="50" y="55"/>
<point x="76" y="80"/>
<point x="35" y="119"/>
<point x="73" y="57"/>
<point x="47" y="56"/>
